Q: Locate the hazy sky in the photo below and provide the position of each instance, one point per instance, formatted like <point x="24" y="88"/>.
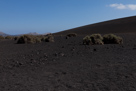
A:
<point x="23" y="16"/>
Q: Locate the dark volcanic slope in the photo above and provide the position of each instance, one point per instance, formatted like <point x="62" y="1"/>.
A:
<point x="123" y="25"/>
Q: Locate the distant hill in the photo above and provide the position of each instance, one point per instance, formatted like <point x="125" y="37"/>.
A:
<point x="3" y="34"/>
<point x="122" y="25"/>
<point x="33" y="33"/>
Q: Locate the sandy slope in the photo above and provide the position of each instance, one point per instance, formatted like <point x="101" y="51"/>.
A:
<point x="67" y="65"/>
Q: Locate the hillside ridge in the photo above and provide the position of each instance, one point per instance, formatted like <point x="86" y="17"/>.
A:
<point x="121" y="25"/>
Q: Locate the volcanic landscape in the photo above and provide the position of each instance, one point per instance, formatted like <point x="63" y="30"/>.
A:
<point x="68" y="65"/>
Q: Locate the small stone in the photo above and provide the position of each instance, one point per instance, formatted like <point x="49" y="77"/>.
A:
<point x="64" y="73"/>
<point x="62" y="47"/>
<point x="94" y="49"/>
<point x="62" y="54"/>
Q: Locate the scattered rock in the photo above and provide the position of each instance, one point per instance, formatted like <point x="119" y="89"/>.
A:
<point x="73" y="49"/>
<point x="45" y="55"/>
<point x="62" y="54"/>
<point x="67" y="37"/>
<point x="62" y="47"/>
<point x="37" y="53"/>
<point x="56" y="54"/>
<point x="64" y="73"/>
<point x="94" y="49"/>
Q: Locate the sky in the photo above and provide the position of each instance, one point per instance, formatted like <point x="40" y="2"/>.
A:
<point x="50" y="16"/>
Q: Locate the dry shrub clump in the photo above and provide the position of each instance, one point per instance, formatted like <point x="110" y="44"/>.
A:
<point x="30" y="39"/>
<point x="112" y="39"/>
<point x="16" y="38"/>
<point x="9" y="37"/>
<point x="87" y="40"/>
<point x="71" y="35"/>
<point x="1" y="37"/>
<point x="97" y="39"/>
<point x="94" y="39"/>
<point x="48" y="38"/>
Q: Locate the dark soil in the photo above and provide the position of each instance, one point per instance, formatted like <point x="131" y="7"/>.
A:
<point x="67" y="65"/>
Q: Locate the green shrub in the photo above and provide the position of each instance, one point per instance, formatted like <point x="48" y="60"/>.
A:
<point x="1" y="37"/>
<point x="87" y="40"/>
<point x="112" y="39"/>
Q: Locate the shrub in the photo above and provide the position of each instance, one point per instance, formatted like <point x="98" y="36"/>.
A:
<point x="28" y="39"/>
<point x="35" y="39"/>
<point x="1" y="37"/>
<point x="97" y="39"/>
<point x="43" y="39"/>
<point x="87" y="40"/>
<point x="72" y="35"/>
<point x="96" y="36"/>
<point x="48" y="38"/>
<point x="9" y="37"/>
<point x="98" y="42"/>
<point x="16" y="38"/>
<point x="112" y="39"/>
<point x="94" y="39"/>
<point x="49" y="34"/>
<point x="39" y="36"/>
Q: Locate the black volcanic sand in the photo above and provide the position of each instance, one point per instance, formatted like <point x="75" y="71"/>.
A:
<point x="67" y="65"/>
